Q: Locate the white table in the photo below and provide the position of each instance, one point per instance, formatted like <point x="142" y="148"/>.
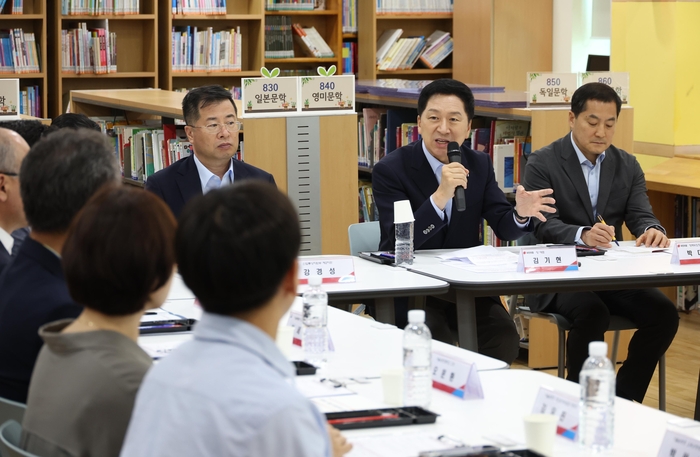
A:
<point x="595" y="273"/>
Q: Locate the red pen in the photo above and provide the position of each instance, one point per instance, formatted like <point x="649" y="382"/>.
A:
<point x="350" y="420"/>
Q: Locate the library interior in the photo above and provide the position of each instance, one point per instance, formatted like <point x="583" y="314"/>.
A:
<point x="193" y="95"/>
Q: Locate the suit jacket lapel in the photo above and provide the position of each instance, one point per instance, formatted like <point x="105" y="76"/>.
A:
<point x="420" y="172"/>
<point x="572" y="168"/>
<point x="239" y="171"/>
<point x="187" y="179"/>
<point x="608" y="170"/>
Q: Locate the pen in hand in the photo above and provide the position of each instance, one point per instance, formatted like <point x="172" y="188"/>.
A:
<point x="602" y="221"/>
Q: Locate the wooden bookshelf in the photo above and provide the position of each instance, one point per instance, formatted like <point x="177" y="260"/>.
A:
<point x="137" y="47"/>
<point x="33" y="20"/>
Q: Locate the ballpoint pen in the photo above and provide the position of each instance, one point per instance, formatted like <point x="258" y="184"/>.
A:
<point x="600" y="218"/>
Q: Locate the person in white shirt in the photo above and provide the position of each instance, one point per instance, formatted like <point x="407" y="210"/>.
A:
<point x="13" y="148"/>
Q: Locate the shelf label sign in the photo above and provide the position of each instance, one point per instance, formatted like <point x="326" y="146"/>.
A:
<point x="332" y="269"/>
<point x="559" y="404"/>
<point x="269" y="95"/>
<point x="457" y="377"/>
<point x="620" y="81"/>
<point x="686" y="253"/>
<point x="327" y="93"/>
<point x="679" y="445"/>
<point x="551" y="259"/>
<point x="551" y="88"/>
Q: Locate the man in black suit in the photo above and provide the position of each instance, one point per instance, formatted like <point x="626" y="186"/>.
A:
<point x="59" y="174"/>
<point x="592" y="178"/>
<point x="212" y="128"/>
<point x="422" y="174"/>
<point x="13" y="148"/>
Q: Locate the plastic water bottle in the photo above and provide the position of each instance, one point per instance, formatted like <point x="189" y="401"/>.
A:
<point x="315" y="337"/>
<point x="403" y="232"/>
<point x="417" y="357"/>
<point x="597" y="405"/>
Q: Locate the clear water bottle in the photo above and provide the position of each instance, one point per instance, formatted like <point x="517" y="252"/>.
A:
<point x="403" y="232"/>
<point x="315" y="337"/>
<point x="417" y="357"/>
<point x="597" y="405"/>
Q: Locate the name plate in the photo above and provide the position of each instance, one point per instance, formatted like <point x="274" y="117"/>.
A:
<point x="550" y="259"/>
<point x="328" y="93"/>
<point x="620" y="81"/>
<point x="686" y="253"/>
<point x="678" y="445"/>
<point x="551" y="88"/>
<point x="456" y="377"/>
<point x="269" y="95"/>
<point x="296" y="320"/>
<point x="332" y="269"/>
<point x="562" y="405"/>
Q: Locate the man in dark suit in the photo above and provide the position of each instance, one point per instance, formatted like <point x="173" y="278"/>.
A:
<point x="13" y="148"/>
<point x="592" y="178"/>
<point x="212" y="128"/>
<point x="422" y="174"/>
<point x="59" y="175"/>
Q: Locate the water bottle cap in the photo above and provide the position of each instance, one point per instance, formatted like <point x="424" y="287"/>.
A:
<point x="403" y="212"/>
<point x="315" y="280"/>
<point x="416" y="316"/>
<point x="598" y="348"/>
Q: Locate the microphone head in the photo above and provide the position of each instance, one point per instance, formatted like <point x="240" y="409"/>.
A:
<point x="453" y="154"/>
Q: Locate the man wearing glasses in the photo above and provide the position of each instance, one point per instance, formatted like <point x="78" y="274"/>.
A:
<point x="13" y="148"/>
<point x="212" y="127"/>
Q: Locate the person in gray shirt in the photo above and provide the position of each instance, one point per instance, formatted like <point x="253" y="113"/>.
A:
<point x="118" y="261"/>
<point x="230" y="391"/>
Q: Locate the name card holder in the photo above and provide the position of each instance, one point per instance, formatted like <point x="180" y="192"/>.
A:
<point x="547" y="259"/>
<point x="677" y="444"/>
<point x="559" y="404"/>
<point x="332" y="269"/>
<point x="686" y="253"/>
<point x="456" y="377"/>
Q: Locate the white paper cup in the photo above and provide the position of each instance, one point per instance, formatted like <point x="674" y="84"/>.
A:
<point x="540" y="430"/>
<point x="392" y="383"/>
<point x="285" y="339"/>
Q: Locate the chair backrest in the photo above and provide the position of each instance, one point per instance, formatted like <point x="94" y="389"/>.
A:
<point x="11" y="410"/>
<point x="10" y="435"/>
<point x="363" y="237"/>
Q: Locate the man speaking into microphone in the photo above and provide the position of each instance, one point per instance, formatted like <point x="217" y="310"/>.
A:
<point x="426" y="174"/>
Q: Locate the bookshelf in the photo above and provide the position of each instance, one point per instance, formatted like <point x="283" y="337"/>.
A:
<point x="248" y="15"/>
<point x="136" y="44"/>
<point x="32" y="20"/>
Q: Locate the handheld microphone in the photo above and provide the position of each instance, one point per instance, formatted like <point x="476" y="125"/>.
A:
<point x="453" y="155"/>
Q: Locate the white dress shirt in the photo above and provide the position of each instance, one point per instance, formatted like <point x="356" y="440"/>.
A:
<point x="209" y="180"/>
<point x="6" y="240"/>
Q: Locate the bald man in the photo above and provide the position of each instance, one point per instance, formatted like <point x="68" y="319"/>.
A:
<point x="13" y="148"/>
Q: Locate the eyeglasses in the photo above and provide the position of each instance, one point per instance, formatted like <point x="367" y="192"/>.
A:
<point x="8" y="173"/>
<point x="231" y="126"/>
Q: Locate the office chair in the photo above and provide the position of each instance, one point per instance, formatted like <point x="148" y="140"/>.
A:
<point x="10" y="435"/>
<point x="363" y="237"/>
<point x="617" y="323"/>
<point x="11" y="410"/>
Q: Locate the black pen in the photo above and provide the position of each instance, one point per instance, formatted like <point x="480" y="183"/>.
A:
<point x="600" y="218"/>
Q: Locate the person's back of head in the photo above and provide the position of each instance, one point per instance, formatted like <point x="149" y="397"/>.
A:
<point x="594" y="91"/>
<point x="60" y="175"/>
<point x="73" y="121"/>
<point x="447" y="86"/>
<point x="236" y="245"/>
<point x="29" y="129"/>
<point x="119" y="251"/>
<point x="201" y="97"/>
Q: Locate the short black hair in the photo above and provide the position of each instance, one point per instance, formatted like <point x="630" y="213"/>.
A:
<point x="594" y="91"/>
<point x="201" y="97"/>
<point x="120" y="249"/>
<point x="60" y="174"/>
<point x="29" y="129"/>
<point x="235" y="245"/>
<point x="74" y="121"/>
<point x="447" y="86"/>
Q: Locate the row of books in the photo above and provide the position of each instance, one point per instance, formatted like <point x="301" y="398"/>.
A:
<point x="86" y="50"/>
<point x="687" y="225"/>
<point x="196" y="50"/>
<point x="30" y="101"/>
<point x="206" y="7"/>
<point x="235" y="91"/>
<point x="350" y="16"/>
<point x="98" y="7"/>
<point x="14" y="7"/>
<point x="289" y="5"/>
<point x="311" y="42"/>
<point x="414" y="6"/>
<point x="488" y="238"/>
<point x="349" y="55"/>
<point x="368" y="208"/>
<point x="279" y="43"/>
<point x="382" y="130"/>
<point x="18" y="52"/>
<point x="395" y="53"/>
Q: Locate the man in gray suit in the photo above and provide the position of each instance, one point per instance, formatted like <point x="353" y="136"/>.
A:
<point x="593" y="178"/>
